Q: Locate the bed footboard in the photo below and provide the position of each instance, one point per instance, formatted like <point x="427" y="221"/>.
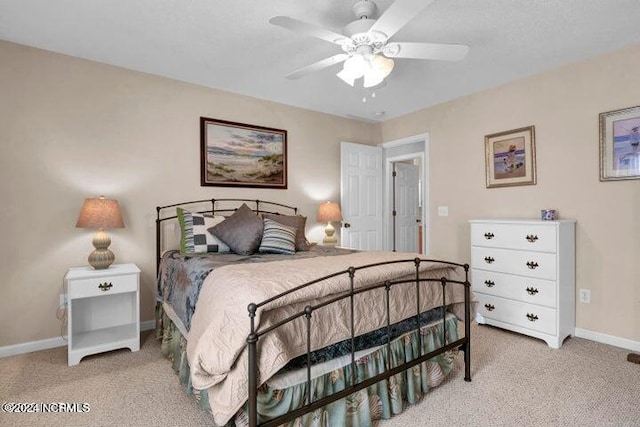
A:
<point x="255" y="334"/>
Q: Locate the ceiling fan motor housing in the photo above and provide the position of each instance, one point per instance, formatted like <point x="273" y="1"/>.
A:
<point x="364" y="9"/>
<point x="358" y="30"/>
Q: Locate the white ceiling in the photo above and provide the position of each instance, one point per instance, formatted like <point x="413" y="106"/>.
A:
<point x="230" y="45"/>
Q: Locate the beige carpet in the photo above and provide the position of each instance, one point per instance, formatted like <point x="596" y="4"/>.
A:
<point x="517" y="381"/>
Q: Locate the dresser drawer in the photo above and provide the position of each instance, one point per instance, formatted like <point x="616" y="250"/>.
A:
<point x="83" y="288"/>
<point x="529" y="237"/>
<point x="534" y="317"/>
<point x="531" y="264"/>
<point x="525" y="289"/>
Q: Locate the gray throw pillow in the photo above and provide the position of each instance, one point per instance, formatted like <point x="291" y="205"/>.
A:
<point x="296" y="221"/>
<point x="242" y="231"/>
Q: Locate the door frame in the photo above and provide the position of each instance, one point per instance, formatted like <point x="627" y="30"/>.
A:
<point x="386" y="203"/>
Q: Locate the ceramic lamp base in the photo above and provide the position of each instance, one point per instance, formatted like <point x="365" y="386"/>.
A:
<point x="102" y="257"/>
<point x="329" y="235"/>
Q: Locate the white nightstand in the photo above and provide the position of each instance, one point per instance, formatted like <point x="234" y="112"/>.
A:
<point x="104" y="311"/>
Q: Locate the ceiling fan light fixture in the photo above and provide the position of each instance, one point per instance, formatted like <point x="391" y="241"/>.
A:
<point x="355" y="65"/>
<point x="372" y="79"/>
<point x="347" y="77"/>
<point x="374" y="69"/>
<point x="382" y="64"/>
<point x="379" y="68"/>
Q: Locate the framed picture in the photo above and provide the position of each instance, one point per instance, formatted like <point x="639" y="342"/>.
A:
<point x="619" y="140"/>
<point x="511" y="158"/>
<point x="240" y="155"/>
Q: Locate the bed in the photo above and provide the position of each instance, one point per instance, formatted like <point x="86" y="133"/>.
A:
<point x="309" y="335"/>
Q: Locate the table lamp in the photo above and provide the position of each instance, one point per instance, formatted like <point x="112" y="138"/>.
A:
<point x="329" y="212"/>
<point x="101" y="214"/>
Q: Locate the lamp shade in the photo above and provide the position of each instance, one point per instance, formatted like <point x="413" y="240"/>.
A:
<point x="329" y="212"/>
<point x="100" y="213"/>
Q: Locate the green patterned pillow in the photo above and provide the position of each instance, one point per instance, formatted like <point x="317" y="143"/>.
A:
<point x="194" y="237"/>
<point x="278" y="238"/>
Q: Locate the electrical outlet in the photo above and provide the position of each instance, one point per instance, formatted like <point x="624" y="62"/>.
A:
<point x="585" y="296"/>
<point x="443" y="210"/>
<point x="63" y="300"/>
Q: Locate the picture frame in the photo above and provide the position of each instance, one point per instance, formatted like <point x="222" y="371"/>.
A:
<point x="620" y="144"/>
<point x="242" y="155"/>
<point x="510" y="158"/>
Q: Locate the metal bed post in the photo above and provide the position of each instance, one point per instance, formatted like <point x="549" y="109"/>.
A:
<point x="252" y="341"/>
<point x="307" y="312"/>
<point x="352" y="273"/>
<point x="416" y="261"/>
<point x="443" y="282"/>
<point x="157" y="240"/>
<point x="467" y="325"/>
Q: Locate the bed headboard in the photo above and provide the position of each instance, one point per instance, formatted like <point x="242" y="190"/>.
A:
<point x="224" y="207"/>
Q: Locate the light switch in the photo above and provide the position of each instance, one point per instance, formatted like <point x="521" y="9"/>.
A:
<point x="443" y="210"/>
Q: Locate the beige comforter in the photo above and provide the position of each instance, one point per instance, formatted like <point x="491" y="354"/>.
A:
<point x="216" y="343"/>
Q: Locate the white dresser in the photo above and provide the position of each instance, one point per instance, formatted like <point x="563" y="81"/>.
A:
<point x="523" y="275"/>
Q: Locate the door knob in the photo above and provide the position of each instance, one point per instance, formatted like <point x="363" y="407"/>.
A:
<point x="346" y="225"/>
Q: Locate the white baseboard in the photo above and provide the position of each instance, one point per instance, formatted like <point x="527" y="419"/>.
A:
<point x="608" y="339"/>
<point x="28" y="347"/>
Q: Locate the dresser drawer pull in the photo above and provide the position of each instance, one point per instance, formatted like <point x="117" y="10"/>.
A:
<point x="488" y="236"/>
<point x="532" y="265"/>
<point x="489" y="283"/>
<point x="488" y="259"/>
<point x="532" y="317"/>
<point x="105" y="286"/>
<point x="532" y="291"/>
<point x="532" y="238"/>
<point x="490" y="307"/>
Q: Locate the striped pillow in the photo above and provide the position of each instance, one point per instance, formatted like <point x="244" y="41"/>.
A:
<point x="278" y="238"/>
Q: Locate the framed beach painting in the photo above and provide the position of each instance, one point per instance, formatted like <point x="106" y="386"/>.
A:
<point x="510" y="158"/>
<point x="619" y="144"/>
<point x="240" y="155"/>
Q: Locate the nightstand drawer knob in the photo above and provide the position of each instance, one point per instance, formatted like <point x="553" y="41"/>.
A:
<point x="532" y="291"/>
<point x="532" y="317"/>
<point x="532" y="265"/>
<point x="488" y="236"/>
<point x="489" y="259"/>
<point x="489" y="283"/>
<point x="532" y="238"/>
<point x="105" y="286"/>
<point x="490" y="307"/>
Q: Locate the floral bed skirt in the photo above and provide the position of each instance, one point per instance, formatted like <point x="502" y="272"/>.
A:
<point x="379" y="401"/>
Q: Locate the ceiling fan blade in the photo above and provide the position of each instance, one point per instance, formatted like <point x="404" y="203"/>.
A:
<point x="306" y="29"/>
<point x="397" y="15"/>
<point x="317" y="66"/>
<point x="437" y="51"/>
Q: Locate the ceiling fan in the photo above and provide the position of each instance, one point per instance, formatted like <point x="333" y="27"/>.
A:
<point x="367" y="49"/>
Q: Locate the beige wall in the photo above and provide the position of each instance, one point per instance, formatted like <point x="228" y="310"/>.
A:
<point x="563" y="105"/>
<point x="71" y="129"/>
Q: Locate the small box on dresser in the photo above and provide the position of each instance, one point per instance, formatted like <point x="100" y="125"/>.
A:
<point x="523" y="274"/>
<point x="104" y="310"/>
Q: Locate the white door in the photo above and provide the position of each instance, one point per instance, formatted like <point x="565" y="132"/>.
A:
<point x="406" y="207"/>
<point x="361" y="196"/>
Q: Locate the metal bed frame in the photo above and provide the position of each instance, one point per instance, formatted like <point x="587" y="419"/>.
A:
<point x="255" y="334"/>
<point x="218" y="206"/>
